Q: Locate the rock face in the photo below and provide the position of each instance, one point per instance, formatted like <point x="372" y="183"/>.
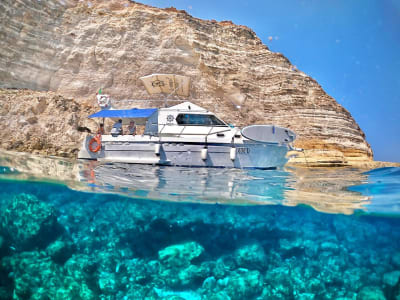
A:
<point x="74" y="48"/>
<point x="41" y="122"/>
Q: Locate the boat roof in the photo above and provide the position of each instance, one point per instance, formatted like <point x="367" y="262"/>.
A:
<point x="134" y="113"/>
<point x="187" y="107"/>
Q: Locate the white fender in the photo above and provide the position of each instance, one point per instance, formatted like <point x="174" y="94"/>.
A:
<point x="232" y="154"/>
<point x="204" y="153"/>
<point x="157" y="149"/>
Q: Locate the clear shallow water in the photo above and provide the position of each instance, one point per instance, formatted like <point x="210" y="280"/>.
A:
<point x="179" y="233"/>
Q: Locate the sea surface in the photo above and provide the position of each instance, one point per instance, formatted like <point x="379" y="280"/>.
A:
<point x="89" y="231"/>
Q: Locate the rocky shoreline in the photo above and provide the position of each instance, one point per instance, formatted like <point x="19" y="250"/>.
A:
<point x="48" y="123"/>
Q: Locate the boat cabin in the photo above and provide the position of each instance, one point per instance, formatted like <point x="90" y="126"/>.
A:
<point x="182" y="119"/>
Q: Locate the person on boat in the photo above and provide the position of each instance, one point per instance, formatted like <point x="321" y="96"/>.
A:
<point x="132" y="128"/>
<point x="101" y="129"/>
<point x="117" y="128"/>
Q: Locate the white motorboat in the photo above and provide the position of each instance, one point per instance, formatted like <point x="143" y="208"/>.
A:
<point x="186" y="135"/>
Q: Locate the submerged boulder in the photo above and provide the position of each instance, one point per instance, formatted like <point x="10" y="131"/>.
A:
<point x="371" y="293"/>
<point x="243" y="284"/>
<point x="36" y="276"/>
<point x="396" y="259"/>
<point x="180" y="255"/>
<point x="60" y="250"/>
<point x="391" y="278"/>
<point x="177" y="271"/>
<point x="251" y="256"/>
<point x="28" y="223"/>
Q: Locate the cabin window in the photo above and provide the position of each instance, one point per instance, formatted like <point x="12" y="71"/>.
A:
<point x="199" y="120"/>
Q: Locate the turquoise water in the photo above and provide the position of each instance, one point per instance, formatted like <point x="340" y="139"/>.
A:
<point x="93" y="231"/>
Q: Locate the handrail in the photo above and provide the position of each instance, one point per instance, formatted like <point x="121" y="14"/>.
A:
<point x="159" y="134"/>
<point x="182" y="130"/>
<point x="219" y="131"/>
<point x="206" y="134"/>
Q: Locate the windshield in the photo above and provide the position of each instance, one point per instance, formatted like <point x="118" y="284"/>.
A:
<point x="199" y="120"/>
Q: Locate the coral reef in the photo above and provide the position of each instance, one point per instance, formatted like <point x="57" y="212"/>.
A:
<point x="112" y="247"/>
<point x="28" y="222"/>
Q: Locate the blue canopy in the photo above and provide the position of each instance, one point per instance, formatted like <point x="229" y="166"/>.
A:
<point x="124" y="113"/>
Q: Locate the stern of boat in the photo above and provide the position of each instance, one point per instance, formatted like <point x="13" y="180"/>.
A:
<point x="85" y="153"/>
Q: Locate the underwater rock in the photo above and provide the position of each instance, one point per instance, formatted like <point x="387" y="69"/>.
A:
<point x="29" y="223"/>
<point x="139" y="271"/>
<point x="193" y="274"/>
<point x="139" y="291"/>
<point x="244" y="284"/>
<point x="396" y="259"/>
<point x="173" y="270"/>
<point x="251" y="256"/>
<point x="176" y="256"/>
<point x="60" y="251"/>
<point x="280" y="279"/>
<point x="270" y="292"/>
<point x="107" y="283"/>
<point x="209" y="283"/>
<point x="391" y="278"/>
<point x="223" y="266"/>
<point x="352" y="278"/>
<point x="176" y="295"/>
<point x="36" y="276"/>
<point x="292" y="247"/>
<point x="187" y="277"/>
<point x="81" y="267"/>
<point x="329" y="246"/>
<point x="371" y="293"/>
<point x="73" y="290"/>
<point x="310" y="248"/>
<point x="220" y="295"/>
<point x="305" y="296"/>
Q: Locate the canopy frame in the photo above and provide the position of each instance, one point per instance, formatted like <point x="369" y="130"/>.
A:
<point x="139" y="115"/>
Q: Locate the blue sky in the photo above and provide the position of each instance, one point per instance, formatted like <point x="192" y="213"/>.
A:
<point x="351" y="47"/>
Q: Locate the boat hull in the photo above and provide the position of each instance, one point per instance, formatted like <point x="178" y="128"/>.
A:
<point x="246" y="154"/>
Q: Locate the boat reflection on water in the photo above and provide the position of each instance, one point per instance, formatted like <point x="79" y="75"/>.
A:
<point x="324" y="189"/>
<point x="207" y="185"/>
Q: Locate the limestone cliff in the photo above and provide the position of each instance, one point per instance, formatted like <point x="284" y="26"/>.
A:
<point x="73" y="48"/>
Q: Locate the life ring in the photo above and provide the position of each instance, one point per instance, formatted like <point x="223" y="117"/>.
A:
<point x="96" y="139"/>
<point x="103" y="101"/>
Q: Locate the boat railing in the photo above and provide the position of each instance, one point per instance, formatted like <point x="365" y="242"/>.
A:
<point x="205" y="138"/>
<point x="159" y="134"/>
<point x="210" y="132"/>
